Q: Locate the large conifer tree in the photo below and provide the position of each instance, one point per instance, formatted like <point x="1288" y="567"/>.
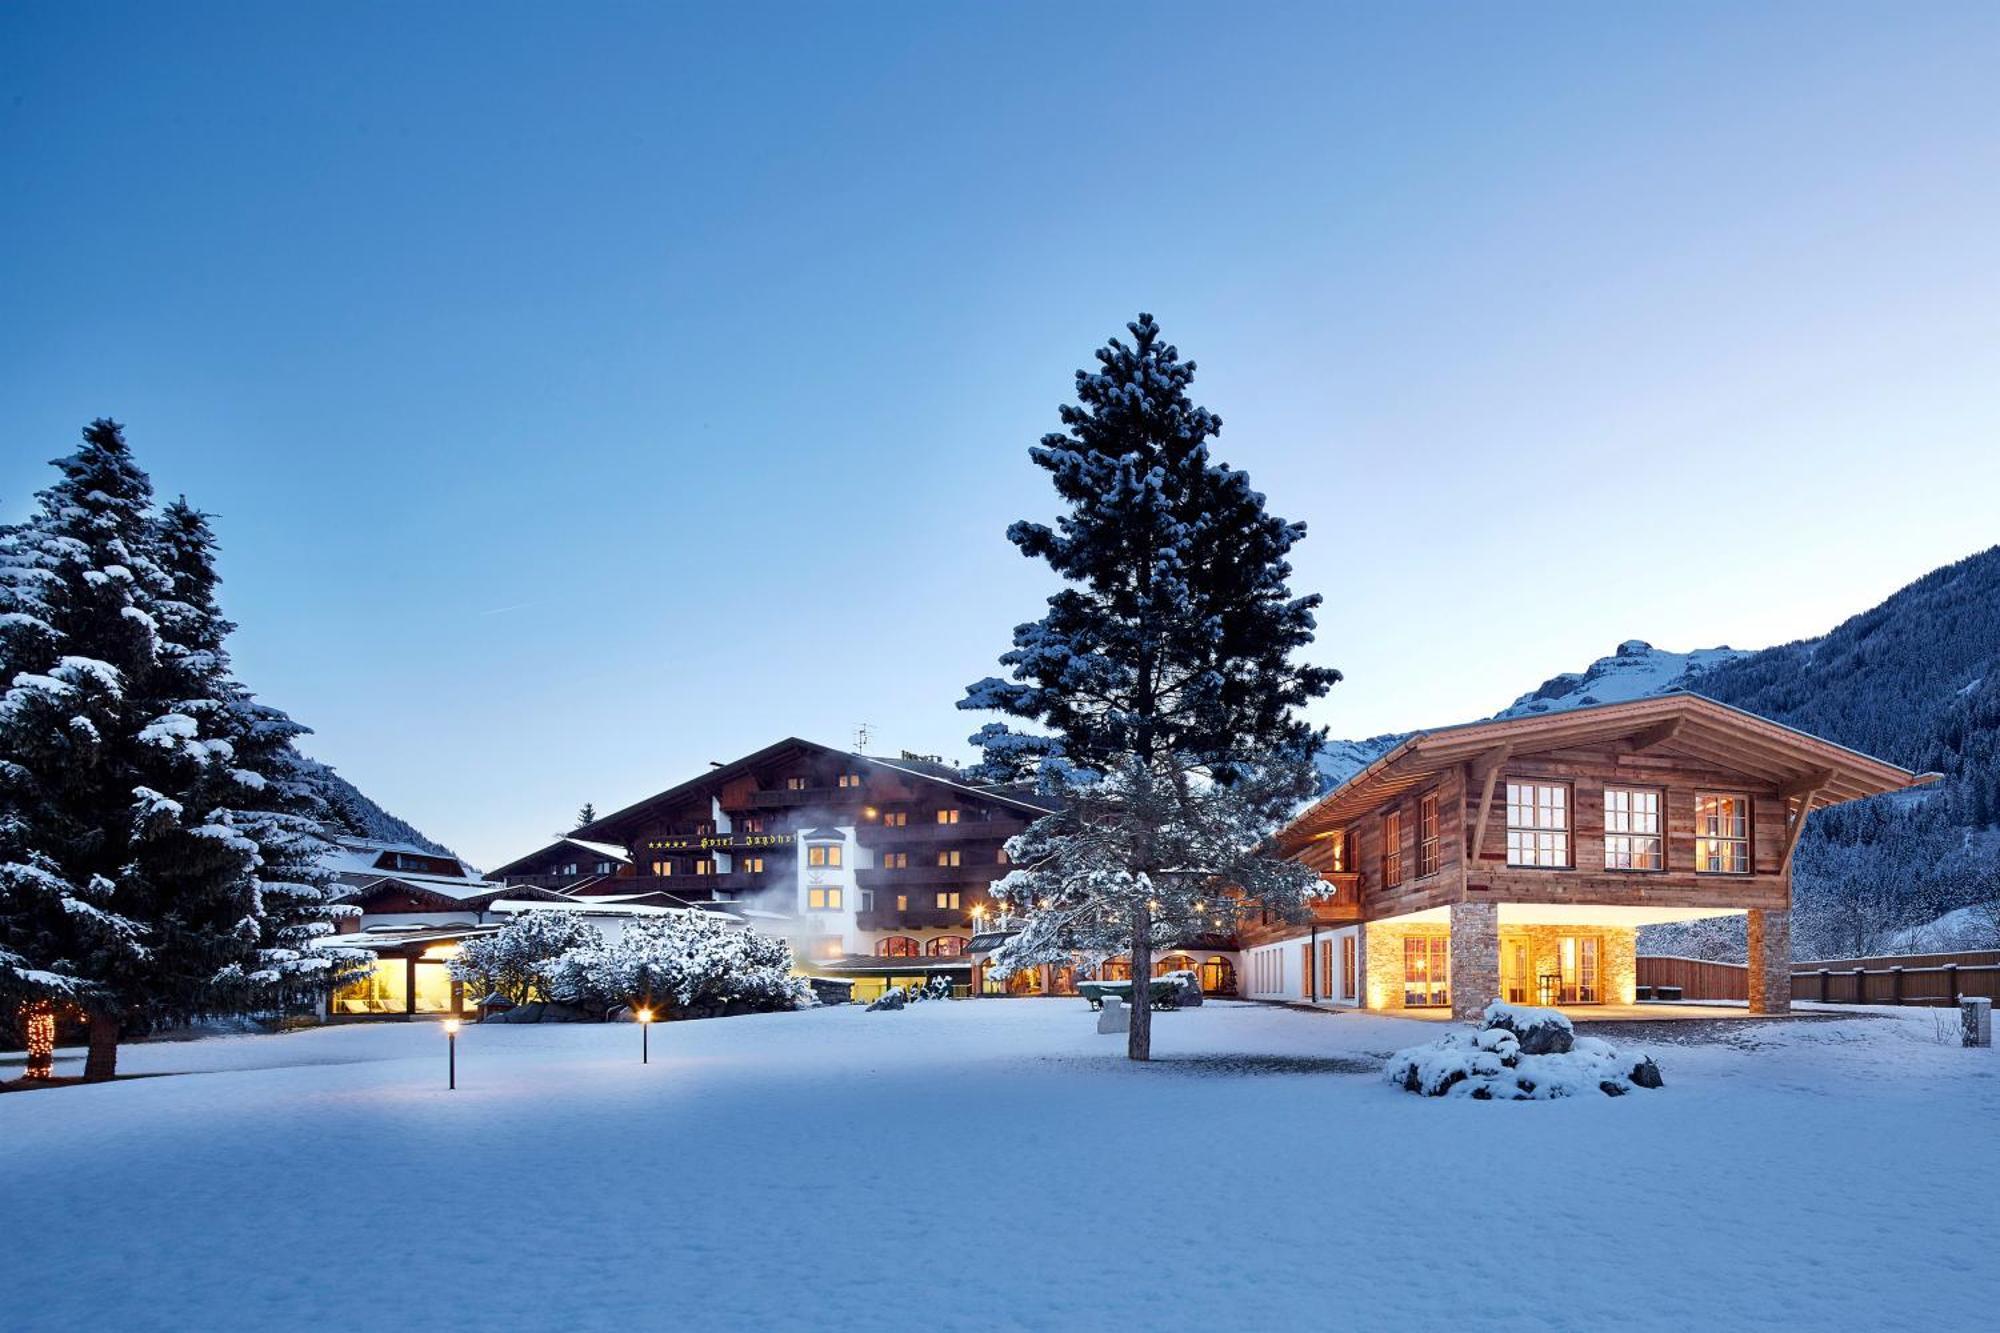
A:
<point x="1162" y="679"/>
<point x="156" y="860"/>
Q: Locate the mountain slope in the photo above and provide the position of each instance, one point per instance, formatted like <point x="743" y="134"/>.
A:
<point x="359" y="815"/>
<point x="1915" y="680"/>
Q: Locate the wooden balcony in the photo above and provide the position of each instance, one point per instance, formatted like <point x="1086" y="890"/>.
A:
<point x="929" y="876"/>
<point x="781" y="798"/>
<point x="914" y="918"/>
<point x="913" y="833"/>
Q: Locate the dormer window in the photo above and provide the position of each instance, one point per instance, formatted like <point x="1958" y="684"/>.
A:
<point x="823" y="854"/>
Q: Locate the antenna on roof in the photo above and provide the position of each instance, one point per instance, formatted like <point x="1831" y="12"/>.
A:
<point x="861" y="739"/>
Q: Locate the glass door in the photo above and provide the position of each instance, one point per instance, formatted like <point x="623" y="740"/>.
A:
<point x="1514" y="974"/>
<point x="1426" y="970"/>
<point x="1582" y="967"/>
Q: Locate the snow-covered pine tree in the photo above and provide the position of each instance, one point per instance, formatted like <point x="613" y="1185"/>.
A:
<point x="80" y="588"/>
<point x="1161" y="679"/>
<point x="149" y="864"/>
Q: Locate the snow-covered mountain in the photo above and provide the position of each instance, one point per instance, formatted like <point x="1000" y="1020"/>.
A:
<point x="1636" y="670"/>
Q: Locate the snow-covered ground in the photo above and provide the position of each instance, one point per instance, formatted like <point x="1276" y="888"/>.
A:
<point x="997" y="1165"/>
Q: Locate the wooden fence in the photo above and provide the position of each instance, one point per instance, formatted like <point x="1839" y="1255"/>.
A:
<point x="1909" y="979"/>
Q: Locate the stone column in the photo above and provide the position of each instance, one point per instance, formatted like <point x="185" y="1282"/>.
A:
<point x="1475" y="957"/>
<point x="1770" y="962"/>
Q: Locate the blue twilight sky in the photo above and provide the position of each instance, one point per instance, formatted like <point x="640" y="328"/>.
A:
<point x="587" y="392"/>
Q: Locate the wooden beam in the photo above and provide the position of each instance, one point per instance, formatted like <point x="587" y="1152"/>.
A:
<point x="1804" y="795"/>
<point x="1487" y="766"/>
<point x="1657" y="734"/>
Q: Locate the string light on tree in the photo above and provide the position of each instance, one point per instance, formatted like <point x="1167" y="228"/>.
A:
<point x="40" y="1022"/>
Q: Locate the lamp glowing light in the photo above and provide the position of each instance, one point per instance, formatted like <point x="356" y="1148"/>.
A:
<point x="645" y="1017"/>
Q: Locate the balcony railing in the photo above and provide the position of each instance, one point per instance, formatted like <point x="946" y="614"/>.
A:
<point x="967" y="831"/>
<point x="924" y="876"/>
<point x="914" y="918"/>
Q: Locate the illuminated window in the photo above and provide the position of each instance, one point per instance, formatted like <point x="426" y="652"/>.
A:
<point x="947" y="900"/>
<point x="383" y="990"/>
<point x="795" y="784"/>
<point x="895" y="818"/>
<point x="663" y="867"/>
<point x="750" y="865"/>
<point x="753" y="825"/>
<point x="1721" y="834"/>
<point x="1631" y="828"/>
<point x="1537" y="824"/>
<point x="823" y="899"/>
<point x="947" y="816"/>
<point x="434" y="989"/>
<point x="1000" y="857"/>
<point x="823" y="854"/>
<point x="1392" y="849"/>
<point x="1427" y="835"/>
<point x="704" y="828"/>
<point x="1426" y="967"/>
<point x="902" y="902"/>
<point x="1337" y="852"/>
<point x="948" y="858"/>
<point x="950" y="946"/>
<point x="895" y="860"/>
<point x="897" y="946"/>
<point x="704" y="867"/>
<point x="850" y="780"/>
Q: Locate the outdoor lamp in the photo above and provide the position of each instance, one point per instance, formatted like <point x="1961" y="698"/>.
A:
<point x="451" y="1053"/>
<point x="645" y="1017"/>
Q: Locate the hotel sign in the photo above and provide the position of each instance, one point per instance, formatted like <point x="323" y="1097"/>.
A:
<point x="719" y="842"/>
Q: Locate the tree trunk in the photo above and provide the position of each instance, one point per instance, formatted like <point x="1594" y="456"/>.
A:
<point x="1139" y="1039"/>
<point x="102" y="1061"/>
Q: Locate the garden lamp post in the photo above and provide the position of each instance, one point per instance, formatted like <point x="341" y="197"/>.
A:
<point x="451" y="1053"/>
<point x="645" y="1017"/>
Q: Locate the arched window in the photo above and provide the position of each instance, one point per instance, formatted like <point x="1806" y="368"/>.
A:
<point x="897" y="946"/>
<point x="1173" y="962"/>
<point x="950" y="946"/>
<point x="1115" y="969"/>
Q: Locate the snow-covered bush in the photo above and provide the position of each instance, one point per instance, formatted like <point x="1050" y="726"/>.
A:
<point x="510" y="962"/>
<point x="688" y="964"/>
<point x="1519" y="1054"/>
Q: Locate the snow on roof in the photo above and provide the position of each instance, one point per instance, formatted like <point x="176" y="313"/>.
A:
<point x="605" y="849"/>
<point x="586" y="907"/>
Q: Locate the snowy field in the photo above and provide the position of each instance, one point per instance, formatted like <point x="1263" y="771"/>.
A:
<point x="964" y="1165"/>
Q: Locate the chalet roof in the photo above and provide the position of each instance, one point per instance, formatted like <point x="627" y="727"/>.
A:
<point x="612" y="823"/>
<point x="435" y="892"/>
<point x="1821" y="771"/>
<point x="606" y="850"/>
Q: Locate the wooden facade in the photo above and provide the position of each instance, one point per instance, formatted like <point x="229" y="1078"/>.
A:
<point x="1467" y="828"/>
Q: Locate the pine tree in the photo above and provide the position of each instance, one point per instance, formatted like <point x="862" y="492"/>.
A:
<point x="1161" y="679"/>
<point x="587" y="815"/>
<point x="157" y="856"/>
<point x="80" y="590"/>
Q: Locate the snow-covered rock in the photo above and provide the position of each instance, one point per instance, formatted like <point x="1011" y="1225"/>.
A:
<point x="1493" y="1062"/>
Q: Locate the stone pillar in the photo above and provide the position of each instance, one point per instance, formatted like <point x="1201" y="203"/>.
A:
<point x="1770" y="962"/>
<point x="1475" y="957"/>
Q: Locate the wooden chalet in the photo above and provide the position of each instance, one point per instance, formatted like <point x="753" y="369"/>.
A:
<point x="1518" y="858"/>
